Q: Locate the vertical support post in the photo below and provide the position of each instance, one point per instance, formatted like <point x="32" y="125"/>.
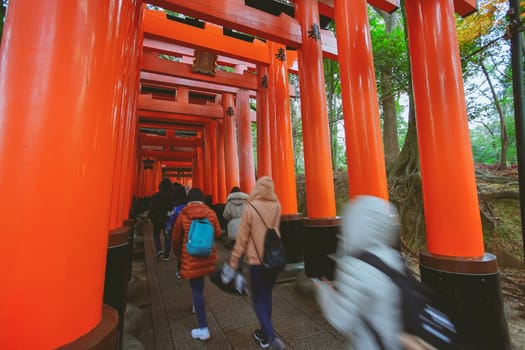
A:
<point x="456" y="264"/>
<point x="131" y="144"/>
<point x="244" y="130"/>
<point x="231" y="159"/>
<point x="221" y="171"/>
<point x="213" y="156"/>
<point x="51" y="132"/>
<point x="264" y="159"/>
<point x="321" y="226"/>
<point x="197" y="180"/>
<point x="207" y="190"/>
<point x="283" y="169"/>
<point x="364" y="144"/>
<point x="282" y="154"/>
<point x="183" y="94"/>
<point x="320" y="197"/>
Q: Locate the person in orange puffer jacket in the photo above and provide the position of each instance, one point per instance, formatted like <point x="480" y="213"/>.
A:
<point x="195" y="268"/>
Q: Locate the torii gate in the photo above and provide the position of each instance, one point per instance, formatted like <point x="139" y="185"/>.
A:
<point x="74" y="136"/>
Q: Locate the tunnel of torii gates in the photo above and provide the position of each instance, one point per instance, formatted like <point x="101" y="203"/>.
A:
<point x="100" y="99"/>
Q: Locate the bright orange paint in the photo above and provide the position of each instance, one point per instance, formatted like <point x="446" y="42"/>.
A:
<point x="57" y="154"/>
<point x="234" y="14"/>
<point x="207" y="174"/>
<point x="320" y="196"/>
<point x="452" y="216"/>
<point x="231" y="160"/>
<point x="244" y="136"/>
<point x="364" y="143"/>
<point x="221" y="176"/>
<point x="158" y="26"/>
<point x="213" y="155"/>
<point x="264" y="159"/>
<point x="283" y="169"/>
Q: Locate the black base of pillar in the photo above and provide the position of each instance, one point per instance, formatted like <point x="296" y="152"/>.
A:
<point x="117" y="272"/>
<point x="291" y="229"/>
<point x="471" y="289"/>
<point x="102" y="337"/>
<point x="320" y="240"/>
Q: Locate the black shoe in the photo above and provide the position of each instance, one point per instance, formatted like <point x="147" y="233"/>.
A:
<point x="261" y="339"/>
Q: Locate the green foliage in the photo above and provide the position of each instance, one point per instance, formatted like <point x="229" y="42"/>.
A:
<point x="390" y="52"/>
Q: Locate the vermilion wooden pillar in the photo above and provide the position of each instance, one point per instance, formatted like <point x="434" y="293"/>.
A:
<point x="455" y="264"/>
<point x="320" y="197"/>
<point x="221" y="171"/>
<point x="364" y="144"/>
<point x="321" y="227"/>
<point x="130" y="143"/>
<point x="198" y="165"/>
<point x="244" y="131"/>
<point x="214" y="163"/>
<point x="231" y="160"/>
<point x="282" y="154"/>
<point x="207" y="170"/>
<point x="59" y="138"/>
<point x="283" y="170"/>
<point x="264" y="159"/>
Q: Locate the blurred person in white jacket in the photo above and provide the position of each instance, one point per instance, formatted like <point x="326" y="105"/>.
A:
<point x="362" y="300"/>
<point x="235" y="203"/>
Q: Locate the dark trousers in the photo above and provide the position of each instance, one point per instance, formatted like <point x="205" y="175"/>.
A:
<point x="263" y="281"/>
<point x="197" y="293"/>
<point x="158" y="228"/>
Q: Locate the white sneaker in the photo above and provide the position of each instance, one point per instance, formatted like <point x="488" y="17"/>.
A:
<point x="200" y="333"/>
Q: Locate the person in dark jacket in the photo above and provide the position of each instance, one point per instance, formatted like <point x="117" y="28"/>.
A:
<point x="158" y="213"/>
<point x="179" y="202"/>
<point x="195" y="268"/>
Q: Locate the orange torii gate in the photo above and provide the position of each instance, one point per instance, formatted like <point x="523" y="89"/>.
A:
<point x="74" y="138"/>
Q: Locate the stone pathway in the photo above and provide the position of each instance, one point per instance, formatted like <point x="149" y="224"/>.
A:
<point x="231" y="319"/>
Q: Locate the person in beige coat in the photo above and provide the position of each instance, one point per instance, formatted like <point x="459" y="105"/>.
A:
<point x="250" y="243"/>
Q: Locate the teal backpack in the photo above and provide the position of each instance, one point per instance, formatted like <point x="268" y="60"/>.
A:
<point x="200" y="237"/>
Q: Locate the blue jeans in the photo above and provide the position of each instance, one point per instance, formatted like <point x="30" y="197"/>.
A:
<point x="197" y="293"/>
<point x="263" y="281"/>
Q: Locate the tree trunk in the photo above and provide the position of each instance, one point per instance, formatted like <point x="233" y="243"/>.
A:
<point x="331" y="69"/>
<point x="388" y="99"/>
<point x="390" y="136"/>
<point x="503" y="125"/>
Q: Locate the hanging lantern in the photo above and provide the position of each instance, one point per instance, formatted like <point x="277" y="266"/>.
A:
<point x="148" y="164"/>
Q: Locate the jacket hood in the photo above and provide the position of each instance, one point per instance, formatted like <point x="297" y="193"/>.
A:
<point x="196" y="210"/>
<point x="264" y="190"/>
<point x="237" y="197"/>
<point x="368" y="222"/>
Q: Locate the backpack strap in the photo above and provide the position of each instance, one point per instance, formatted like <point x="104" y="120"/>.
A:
<point x="251" y="238"/>
<point x="398" y="278"/>
<point x="254" y="208"/>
